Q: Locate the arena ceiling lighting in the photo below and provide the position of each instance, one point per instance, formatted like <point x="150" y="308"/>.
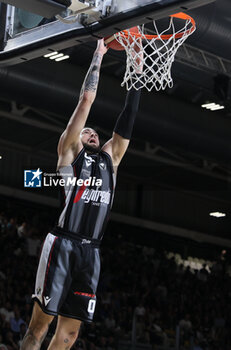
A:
<point x="212" y="106"/>
<point x="217" y="214"/>
<point x="56" y="56"/>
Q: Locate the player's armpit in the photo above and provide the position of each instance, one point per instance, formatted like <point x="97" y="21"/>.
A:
<point x="116" y="148"/>
<point x="66" y="158"/>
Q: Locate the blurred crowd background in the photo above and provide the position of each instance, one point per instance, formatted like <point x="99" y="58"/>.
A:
<point x="144" y="294"/>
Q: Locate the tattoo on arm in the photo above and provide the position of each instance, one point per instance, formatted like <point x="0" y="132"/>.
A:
<point x="92" y="78"/>
<point x="66" y="340"/>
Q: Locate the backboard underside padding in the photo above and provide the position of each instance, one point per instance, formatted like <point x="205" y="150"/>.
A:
<point x="57" y="35"/>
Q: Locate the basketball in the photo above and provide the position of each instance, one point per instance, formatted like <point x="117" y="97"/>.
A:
<point x="113" y="44"/>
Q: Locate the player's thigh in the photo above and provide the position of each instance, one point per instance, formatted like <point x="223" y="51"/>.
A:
<point x="39" y="319"/>
<point x="67" y="328"/>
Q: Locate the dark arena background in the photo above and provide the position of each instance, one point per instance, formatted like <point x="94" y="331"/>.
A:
<point x="165" y="280"/>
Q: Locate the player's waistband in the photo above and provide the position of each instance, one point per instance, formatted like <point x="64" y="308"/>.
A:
<point x="60" y="232"/>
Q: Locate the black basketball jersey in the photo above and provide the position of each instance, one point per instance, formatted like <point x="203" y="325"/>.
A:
<point x="87" y="195"/>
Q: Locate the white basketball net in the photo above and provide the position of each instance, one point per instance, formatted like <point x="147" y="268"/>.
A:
<point x="155" y="54"/>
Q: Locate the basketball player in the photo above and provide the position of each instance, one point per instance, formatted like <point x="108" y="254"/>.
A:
<point x="69" y="265"/>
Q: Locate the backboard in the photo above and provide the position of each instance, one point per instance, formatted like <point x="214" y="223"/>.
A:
<point x="26" y="35"/>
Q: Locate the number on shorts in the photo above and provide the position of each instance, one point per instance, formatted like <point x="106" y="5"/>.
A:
<point x="91" y="306"/>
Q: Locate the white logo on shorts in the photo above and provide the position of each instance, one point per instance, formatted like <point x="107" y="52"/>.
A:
<point x="46" y="300"/>
<point x="85" y="241"/>
<point x="91" y="306"/>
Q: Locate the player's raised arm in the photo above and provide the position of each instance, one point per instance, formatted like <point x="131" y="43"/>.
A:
<point x="122" y="133"/>
<point x="70" y="139"/>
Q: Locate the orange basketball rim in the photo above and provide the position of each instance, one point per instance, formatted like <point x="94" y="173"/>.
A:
<point x="180" y="15"/>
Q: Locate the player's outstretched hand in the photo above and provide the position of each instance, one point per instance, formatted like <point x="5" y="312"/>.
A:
<point x="101" y="48"/>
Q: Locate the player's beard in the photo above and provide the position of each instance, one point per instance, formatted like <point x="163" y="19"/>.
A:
<point x="91" y="149"/>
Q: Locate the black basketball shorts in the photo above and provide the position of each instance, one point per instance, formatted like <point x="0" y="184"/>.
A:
<point x="67" y="278"/>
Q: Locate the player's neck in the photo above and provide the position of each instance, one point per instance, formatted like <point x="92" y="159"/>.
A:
<point x="90" y="150"/>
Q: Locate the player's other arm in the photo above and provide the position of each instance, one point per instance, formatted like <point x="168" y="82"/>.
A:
<point x="70" y="139"/>
<point x="122" y="133"/>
